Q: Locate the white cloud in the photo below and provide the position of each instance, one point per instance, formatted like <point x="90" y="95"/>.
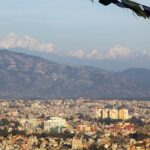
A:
<point x="117" y="52"/>
<point x="146" y="54"/>
<point x="94" y="54"/>
<point x="14" y="41"/>
<point x="77" y="53"/>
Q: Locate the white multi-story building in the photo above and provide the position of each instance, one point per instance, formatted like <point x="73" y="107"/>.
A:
<point x="54" y="122"/>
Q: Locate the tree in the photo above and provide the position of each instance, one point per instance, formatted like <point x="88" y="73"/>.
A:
<point x="4" y="132"/>
<point x="94" y="146"/>
<point x="5" y="122"/>
<point x="139" y="9"/>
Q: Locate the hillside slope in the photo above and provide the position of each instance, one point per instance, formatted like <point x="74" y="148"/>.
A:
<point x="25" y="76"/>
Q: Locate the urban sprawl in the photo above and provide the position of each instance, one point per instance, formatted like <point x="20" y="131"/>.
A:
<point x="74" y="124"/>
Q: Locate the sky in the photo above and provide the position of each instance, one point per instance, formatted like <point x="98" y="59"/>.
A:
<point x="76" y="28"/>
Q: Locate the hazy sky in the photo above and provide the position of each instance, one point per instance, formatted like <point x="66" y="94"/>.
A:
<point x="75" y="24"/>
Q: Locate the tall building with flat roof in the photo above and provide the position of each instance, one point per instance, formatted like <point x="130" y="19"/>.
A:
<point x="105" y="113"/>
<point x="113" y="113"/>
<point x="123" y="114"/>
<point x="98" y="113"/>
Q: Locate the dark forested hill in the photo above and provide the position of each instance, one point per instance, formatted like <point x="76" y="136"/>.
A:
<point x="25" y="76"/>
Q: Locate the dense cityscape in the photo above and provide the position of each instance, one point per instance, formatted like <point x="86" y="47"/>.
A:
<point x="78" y="124"/>
<point x="75" y="75"/>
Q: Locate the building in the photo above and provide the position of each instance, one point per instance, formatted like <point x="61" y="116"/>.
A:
<point x="98" y="113"/>
<point x="113" y="114"/>
<point x="30" y="124"/>
<point x="123" y="114"/>
<point x="13" y="113"/>
<point x="77" y="143"/>
<point x="105" y="113"/>
<point x="54" y="122"/>
<point x="86" y="127"/>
